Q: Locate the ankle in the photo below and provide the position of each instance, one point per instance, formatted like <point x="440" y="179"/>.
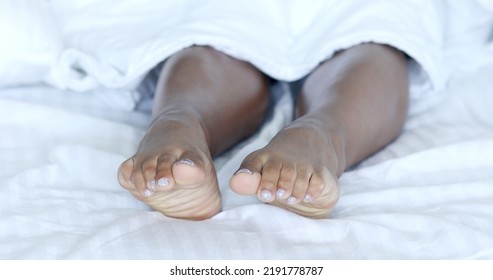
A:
<point x="332" y="134"/>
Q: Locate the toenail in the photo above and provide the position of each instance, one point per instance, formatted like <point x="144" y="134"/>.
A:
<point x="163" y="182"/>
<point x="152" y="185"/>
<point x="266" y="195"/>
<point x="308" y="198"/>
<point x="148" y="193"/>
<point x="291" y="200"/>
<point x="188" y="162"/>
<point x="280" y="193"/>
<point x="244" y="170"/>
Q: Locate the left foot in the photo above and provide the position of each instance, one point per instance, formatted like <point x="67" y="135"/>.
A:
<point x="351" y="106"/>
<point x="297" y="170"/>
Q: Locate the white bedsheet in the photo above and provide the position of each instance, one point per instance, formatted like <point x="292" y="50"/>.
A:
<point x="427" y="195"/>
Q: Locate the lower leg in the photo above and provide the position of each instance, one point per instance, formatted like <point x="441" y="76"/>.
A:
<point x="363" y="92"/>
<point x="350" y="107"/>
<point x="205" y="102"/>
<point x="228" y="96"/>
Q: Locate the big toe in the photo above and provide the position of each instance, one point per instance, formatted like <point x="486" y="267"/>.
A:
<point x="188" y="173"/>
<point x="245" y="182"/>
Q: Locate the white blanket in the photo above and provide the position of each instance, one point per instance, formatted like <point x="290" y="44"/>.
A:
<point x="85" y="44"/>
<point x="427" y="195"/>
<point x="113" y="43"/>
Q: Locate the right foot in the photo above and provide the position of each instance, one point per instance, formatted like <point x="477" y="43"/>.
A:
<point x="172" y="171"/>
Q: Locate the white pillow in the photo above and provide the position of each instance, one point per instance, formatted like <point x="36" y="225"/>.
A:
<point x="30" y="42"/>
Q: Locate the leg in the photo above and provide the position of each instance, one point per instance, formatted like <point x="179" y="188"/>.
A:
<point x="350" y="107"/>
<point x="205" y="102"/>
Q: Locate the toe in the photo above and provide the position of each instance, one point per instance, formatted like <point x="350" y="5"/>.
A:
<point x="301" y="183"/>
<point x="139" y="180"/>
<point x="315" y="188"/>
<point x="188" y="172"/>
<point x="132" y="180"/>
<point x="269" y="181"/>
<point x="125" y="174"/>
<point x="149" y="171"/>
<point x="164" y="175"/>
<point x="329" y="195"/>
<point x="247" y="179"/>
<point x="286" y="181"/>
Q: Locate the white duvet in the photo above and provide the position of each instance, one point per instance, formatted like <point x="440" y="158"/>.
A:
<point x="85" y="44"/>
<point x="427" y="195"/>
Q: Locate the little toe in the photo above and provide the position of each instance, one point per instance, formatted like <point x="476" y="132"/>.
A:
<point x="127" y="178"/>
<point x="315" y="188"/>
<point x="139" y="183"/>
<point x="125" y="174"/>
<point x="329" y="194"/>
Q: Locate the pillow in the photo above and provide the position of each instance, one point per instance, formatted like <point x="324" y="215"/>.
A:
<point x="30" y="42"/>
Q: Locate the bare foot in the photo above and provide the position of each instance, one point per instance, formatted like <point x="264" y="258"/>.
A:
<point x="172" y="170"/>
<point x="297" y="170"/>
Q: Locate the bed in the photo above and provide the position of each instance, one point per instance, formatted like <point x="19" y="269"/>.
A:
<point x="427" y="195"/>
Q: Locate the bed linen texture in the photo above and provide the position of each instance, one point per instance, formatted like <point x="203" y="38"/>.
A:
<point x="428" y="195"/>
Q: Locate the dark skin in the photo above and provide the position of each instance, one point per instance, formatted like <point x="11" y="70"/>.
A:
<point x="351" y="106"/>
